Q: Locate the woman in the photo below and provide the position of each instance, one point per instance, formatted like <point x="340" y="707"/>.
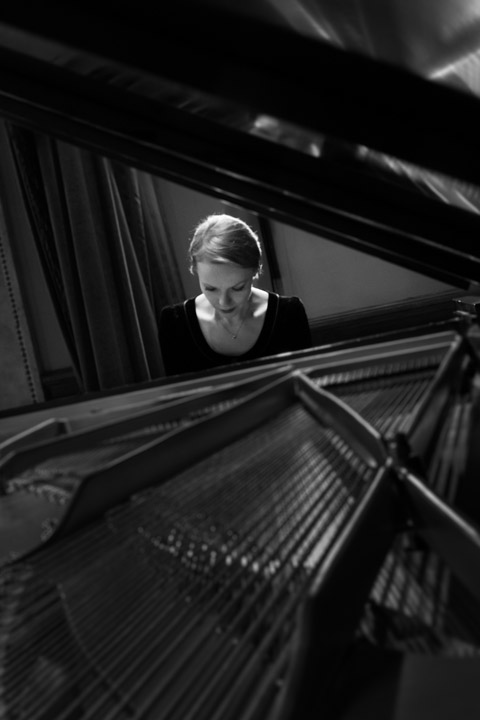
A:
<point x="230" y="321"/>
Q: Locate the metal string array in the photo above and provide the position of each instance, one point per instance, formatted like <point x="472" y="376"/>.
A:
<point x="181" y="602"/>
<point x="386" y="395"/>
<point x="417" y="606"/>
<point x="447" y="464"/>
<point x="410" y="607"/>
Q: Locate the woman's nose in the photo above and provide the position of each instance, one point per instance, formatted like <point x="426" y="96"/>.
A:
<point x="225" y="299"/>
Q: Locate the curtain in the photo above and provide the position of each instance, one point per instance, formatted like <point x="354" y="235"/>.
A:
<point x="19" y="378"/>
<point x="106" y="254"/>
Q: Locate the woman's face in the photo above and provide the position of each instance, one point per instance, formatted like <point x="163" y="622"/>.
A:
<point x="226" y="286"/>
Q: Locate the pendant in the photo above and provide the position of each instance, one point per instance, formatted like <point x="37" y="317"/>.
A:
<point x="233" y="335"/>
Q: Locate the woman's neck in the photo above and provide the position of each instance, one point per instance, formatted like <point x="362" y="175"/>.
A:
<point x="235" y="335"/>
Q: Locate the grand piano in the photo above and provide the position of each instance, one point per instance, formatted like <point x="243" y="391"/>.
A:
<point x="296" y="537"/>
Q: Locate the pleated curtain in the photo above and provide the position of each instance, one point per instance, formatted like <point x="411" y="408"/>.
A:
<point x="106" y="253"/>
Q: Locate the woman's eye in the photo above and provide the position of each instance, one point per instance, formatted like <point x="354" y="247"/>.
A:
<point x="238" y="289"/>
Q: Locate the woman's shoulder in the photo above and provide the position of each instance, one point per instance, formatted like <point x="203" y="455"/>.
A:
<point x="291" y="310"/>
<point x="292" y="322"/>
<point x="290" y="302"/>
<point x="177" y="313"/>
<point x="289" y="299"/>
<point x="261" y="299"/>
<point x="176" y="308"/>
<point x="282" y="304"/>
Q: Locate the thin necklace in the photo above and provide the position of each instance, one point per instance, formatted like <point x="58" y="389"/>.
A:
<point x="237" y="332"/>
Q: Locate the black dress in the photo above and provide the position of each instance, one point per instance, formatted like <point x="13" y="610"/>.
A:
<point x="184" y="348"/>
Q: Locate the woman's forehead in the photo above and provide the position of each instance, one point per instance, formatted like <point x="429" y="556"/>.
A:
<point x="223" y="274"/>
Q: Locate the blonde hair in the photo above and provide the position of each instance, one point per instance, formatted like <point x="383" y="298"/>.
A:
<point x="224" y="238"/>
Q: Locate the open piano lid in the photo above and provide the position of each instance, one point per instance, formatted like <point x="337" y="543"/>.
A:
<point x="347" y="123"/>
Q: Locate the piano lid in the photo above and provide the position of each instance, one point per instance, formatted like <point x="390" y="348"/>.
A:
<point x="355" y="120"/>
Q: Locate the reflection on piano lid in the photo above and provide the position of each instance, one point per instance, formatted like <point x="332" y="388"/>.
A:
<point x="293" y="550"/>
<point x="150" y="93"/>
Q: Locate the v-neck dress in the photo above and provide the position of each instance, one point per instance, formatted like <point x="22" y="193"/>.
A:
<point x="185" y="350"/>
